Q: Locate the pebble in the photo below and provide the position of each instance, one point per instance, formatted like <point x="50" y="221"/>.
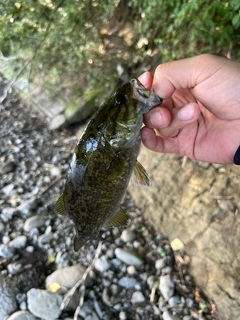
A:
<point x="189" y="302"/>
<point x="8" y="293"/>
<point x="102" y="264"/>
<point x="168" y="316"/>
<point x="166" y="286"/>
<point x="14" y="268"/>
<point x="7" y="190"/>
<point x="65" y="277"/>
<point x="128" y="235"/>
<point x="173" y="301"/>
<point x="19" y="242"/>
<point x="160" y="264"/>
<point x="26" y="206"/>
<point x="7" y="167"/>
<point x="33" y="222"/>
<point x="43" y="304"/>
<point x="137" y="297"/>
<point x="128" y="256"/>
<point x="7" y="213"/>
<point x="21" y="315"/>
<point x="116" y="264"/>
<point x="177" y="245"/>
<point x="131" y="270"/>
<point x="127" y="282"/>
<point x="122" y="315"/>
<point x="45" y="238"/>
<point x="6" y="252"/>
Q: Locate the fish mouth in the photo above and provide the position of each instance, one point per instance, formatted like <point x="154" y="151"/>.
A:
<point x="146" y="97"/>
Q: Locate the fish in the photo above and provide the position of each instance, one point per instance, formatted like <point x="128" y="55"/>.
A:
<point x="103" y="162"/>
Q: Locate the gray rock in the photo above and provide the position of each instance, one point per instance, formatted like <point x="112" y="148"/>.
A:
<point x="19" y="242"/>
<point x="8" y="293"/>
<point x="7" y="167"/>
<point x="21" y="315"/>
<point x="45" y="238"/>
<point x="102" y="264"/>
<point x="33" y="222"/>
<point x="137" y="297"/>
<point x="43" y="304"/>
<point x="160" y="264"/>
<point x="7" y="213"/>
<point x="189" y="302"/>
<point x="127" y="282"/>
<point x="65" y="277"/>
<point x="128" y="235"/>
<point x="58" y="122"/>
<point x="166" y="286"/>
<point x="14" y="268"/>
<point x="128" y="256"/>
<point x="173" y="301"/>
<point x="86" y="309"/>
<point x="116" y="264"/>
<point x="7" y="190"/>
<point x="168" y="316"/>
<point x="6" y="252"/>
<point x="26" y="206"/>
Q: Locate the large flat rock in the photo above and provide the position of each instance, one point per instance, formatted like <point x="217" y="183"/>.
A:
<point x="198" y="203"/>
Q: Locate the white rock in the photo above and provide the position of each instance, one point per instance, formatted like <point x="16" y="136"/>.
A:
<point x="128" y="235"/>
<point x="166" y="286"/>
<point x="137" y="297"/>
<point x="19" y="242"/>
<point x="43" y="304"/>
<point x="65" y="277"/>
<point x="102" y="264"/>
<point x="128" y="256"/>
<point x="168" y="316"/>
<point x="21" y="315"/>
<point x="33" y="222"/>
<point x="159" y="264"/>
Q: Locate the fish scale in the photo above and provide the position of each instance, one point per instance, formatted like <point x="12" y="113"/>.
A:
<point x="103" y="161"/>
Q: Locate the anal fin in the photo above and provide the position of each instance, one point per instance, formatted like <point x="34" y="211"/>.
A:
<point x="119" y="219"/>
<point x="59" y="206"/>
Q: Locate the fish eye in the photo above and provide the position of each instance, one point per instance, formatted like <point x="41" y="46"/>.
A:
<point x="120" y="99"/>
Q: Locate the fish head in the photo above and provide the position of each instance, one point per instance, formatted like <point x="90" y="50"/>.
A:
<point x="124" y="110"/>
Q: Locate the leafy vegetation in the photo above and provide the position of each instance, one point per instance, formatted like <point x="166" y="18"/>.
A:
<point x="72" y="45"/>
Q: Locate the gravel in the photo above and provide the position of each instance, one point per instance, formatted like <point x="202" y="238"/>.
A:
<point x="136" y="275"/>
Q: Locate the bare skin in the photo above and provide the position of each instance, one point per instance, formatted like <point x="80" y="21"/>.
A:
<point x="200" y="114"/>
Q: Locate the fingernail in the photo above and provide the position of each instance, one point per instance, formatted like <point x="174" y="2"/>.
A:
<point x="156" y="119"/>
<point x="186" y="113"/>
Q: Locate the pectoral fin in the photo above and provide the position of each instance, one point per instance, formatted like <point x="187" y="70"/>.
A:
<point x="140" y="175"/>
<point x="119" y="219"/>
<point x="59" y="206"/>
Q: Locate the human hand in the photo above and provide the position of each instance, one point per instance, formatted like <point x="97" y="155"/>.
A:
<point x="200" y="114"/>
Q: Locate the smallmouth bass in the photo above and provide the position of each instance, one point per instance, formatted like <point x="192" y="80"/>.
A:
<point x="103" y="161"/>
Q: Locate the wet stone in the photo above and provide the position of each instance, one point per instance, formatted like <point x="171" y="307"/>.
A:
<point x="21" y="315"/>
<point x="44" y="304"/>
<point x="33" y="222"/>
<point x="19" y="242"/>
<point x="128" y="256"/>
<point x="166" y="286"/>
<point x="137" y="297"/>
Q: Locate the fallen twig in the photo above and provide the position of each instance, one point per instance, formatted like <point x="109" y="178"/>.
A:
<point x="81" y="282"/>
